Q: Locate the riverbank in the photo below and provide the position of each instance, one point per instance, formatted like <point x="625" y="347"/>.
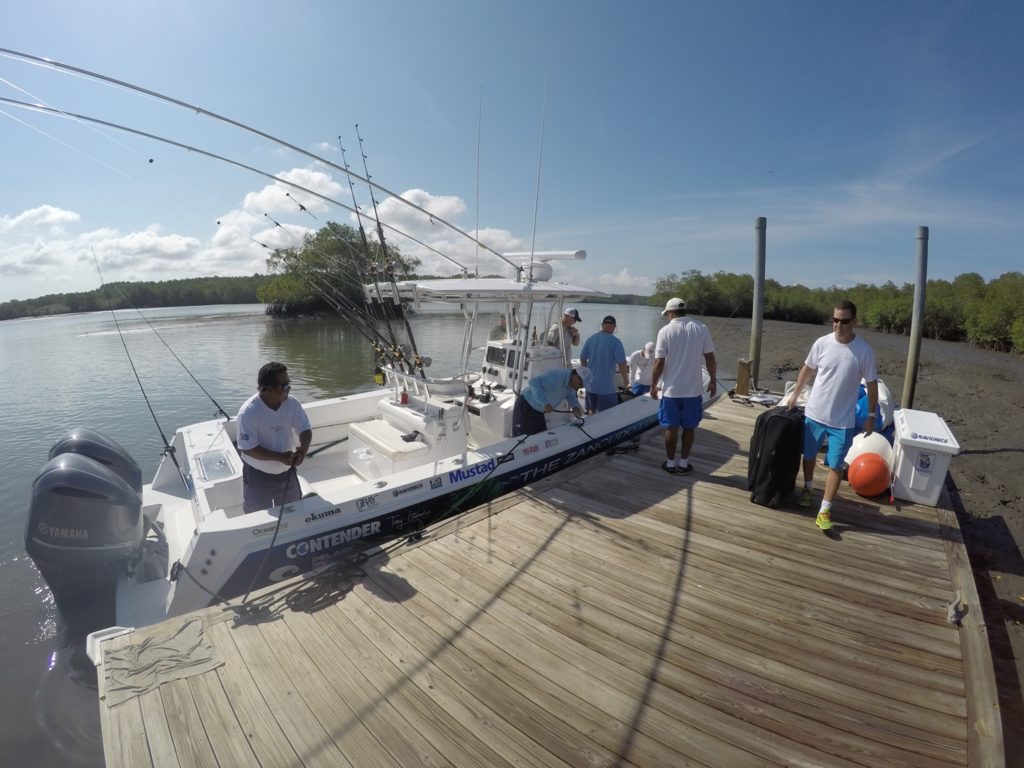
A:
<point x="978" y="393"/>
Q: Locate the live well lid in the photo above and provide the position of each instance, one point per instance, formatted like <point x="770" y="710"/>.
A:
<point x="924" y="429"/>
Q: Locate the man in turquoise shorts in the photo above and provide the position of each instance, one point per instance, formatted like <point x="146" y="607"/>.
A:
<point x="838" y="362"/>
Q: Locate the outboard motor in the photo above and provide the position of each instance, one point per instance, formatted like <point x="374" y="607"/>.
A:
<point x="85" y="523"/>
<point x="98" y="446"/>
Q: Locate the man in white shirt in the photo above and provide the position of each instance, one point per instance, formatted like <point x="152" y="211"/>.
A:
<point x="273" y="438"/>
<point x="681" y="352"/>
<point x="838" y="362"/>
<point x="641" y="366"/>
<point x="564" y="334"/>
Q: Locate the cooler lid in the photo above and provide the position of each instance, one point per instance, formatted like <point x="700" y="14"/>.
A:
<point x="924" y="429"/>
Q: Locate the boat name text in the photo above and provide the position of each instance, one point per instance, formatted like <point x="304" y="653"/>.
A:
<point x="331" y="540"/>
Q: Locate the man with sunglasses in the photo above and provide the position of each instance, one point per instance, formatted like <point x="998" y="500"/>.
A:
<point x="837" y="362"/>
<point x="273" y="438"/>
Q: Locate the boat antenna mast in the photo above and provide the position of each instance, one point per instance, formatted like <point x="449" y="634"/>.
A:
<point x="533" y="242"/>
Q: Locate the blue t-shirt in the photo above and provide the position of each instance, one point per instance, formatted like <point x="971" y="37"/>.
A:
<point x="603" y="353"/>
<point x="550" y="388"/>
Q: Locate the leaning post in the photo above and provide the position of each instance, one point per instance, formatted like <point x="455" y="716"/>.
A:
<point x="757" y="312"/>
<point x="916" y="320"/>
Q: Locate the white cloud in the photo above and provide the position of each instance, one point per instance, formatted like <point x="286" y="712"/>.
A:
<point x="624" y="281"/>
<point x="43" y="217"/>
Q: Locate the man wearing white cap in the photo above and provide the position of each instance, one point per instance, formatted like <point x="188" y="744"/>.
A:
<point x="542" y="393"/>
<point x="564" y="334"/>
<point x="641" y="366"/>
<point x="683" y="348"/>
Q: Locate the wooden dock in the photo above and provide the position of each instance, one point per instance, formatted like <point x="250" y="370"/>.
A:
<point x="613" y="615"/>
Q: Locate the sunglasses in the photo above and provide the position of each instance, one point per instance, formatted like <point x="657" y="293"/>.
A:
<point x="842" y="320"/>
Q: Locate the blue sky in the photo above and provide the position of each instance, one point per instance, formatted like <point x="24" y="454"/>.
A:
<point x="668" y="128"/>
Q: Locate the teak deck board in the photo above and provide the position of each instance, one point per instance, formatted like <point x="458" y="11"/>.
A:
<point x="609" y="615"/>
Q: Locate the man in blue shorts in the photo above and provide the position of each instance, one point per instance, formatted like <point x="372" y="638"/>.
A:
<point x="838" y="362"/>
<point x="681" y="352"/>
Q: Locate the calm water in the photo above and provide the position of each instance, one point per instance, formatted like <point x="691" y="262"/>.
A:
<point x="72" y="371"/>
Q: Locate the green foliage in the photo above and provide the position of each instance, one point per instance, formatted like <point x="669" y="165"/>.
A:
<point x="167" y="293"/>
<point x="722" y="294"/>
<point x="1017" y="333"/>
<point x="989" y="315"/>
<point x="331" y="266"/>
<point x="992" y="314"/>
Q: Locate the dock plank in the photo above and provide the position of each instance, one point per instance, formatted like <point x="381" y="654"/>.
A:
<point x="608" y="615"/>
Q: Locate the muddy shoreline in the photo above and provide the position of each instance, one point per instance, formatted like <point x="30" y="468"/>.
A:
<point x="978" y="393"/>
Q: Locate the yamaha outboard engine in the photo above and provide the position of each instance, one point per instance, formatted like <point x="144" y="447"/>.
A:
<point x="85" y="523"/>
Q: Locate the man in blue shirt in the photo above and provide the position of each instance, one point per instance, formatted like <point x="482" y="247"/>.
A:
<point x="542" y="393"/>
<point x="603" y="353"/>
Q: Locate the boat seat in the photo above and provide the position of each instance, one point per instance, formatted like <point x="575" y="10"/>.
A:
<point x="387" y="441"/>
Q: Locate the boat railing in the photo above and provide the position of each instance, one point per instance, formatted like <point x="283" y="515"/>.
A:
<point x="421" y="389"/>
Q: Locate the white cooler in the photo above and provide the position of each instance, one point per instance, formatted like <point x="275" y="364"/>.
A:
<point x="924" y="447"/>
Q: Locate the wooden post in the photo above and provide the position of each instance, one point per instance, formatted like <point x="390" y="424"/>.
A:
<point x="743" y="376"/>
<point x="916" y="320"/>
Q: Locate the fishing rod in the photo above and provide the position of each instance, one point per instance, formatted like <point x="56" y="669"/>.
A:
<point x="53" y="64"/>
<point x="168" y="448"/>
<point x="363" y="238"/>
<point x="212" y="155"/>
<point x="220" y="410"/>
<point x="388" y="266"/>
<point x="366" y="249"/>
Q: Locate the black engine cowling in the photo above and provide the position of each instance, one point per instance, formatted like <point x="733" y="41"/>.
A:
<point x="98" y="446"/>
<point x="85" y="522"/>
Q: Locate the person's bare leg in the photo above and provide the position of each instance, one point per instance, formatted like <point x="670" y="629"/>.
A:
<point x="688" y="435"/>
<point x="670" y="443"/>
<point x="809" y="471"/>
<point x="832" y="483"/>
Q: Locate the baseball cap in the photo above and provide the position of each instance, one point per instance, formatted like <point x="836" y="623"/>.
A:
<point x="649" y="347"/>
<point x="674" y="305"/>
<point x="584" y="373"/>
<point x="571" y="312"/>
<point x="609" y="319"/>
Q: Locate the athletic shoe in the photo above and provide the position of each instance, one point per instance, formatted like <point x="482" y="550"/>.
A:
<point x="669" y="468"/>
<point x="684" y="470"/>
<point x="805" y="498"/>
<point x="824" y="521"/>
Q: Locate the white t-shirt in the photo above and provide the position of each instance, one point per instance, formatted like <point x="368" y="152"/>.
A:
<point x="277" y="430"/>
<point x="561" y="337"/>
<point x="839" y="367"/>
<point x="682" y="343"/>
<point x="640" y="368"/>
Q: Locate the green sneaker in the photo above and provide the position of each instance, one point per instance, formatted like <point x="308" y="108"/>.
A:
<point x="823" y="521"/>
<point x="804" y="500"/>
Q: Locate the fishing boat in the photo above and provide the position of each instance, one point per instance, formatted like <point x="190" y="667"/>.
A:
<point x="385" y="463"/>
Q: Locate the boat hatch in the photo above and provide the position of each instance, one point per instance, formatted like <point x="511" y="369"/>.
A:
<point x="215" y="465"/>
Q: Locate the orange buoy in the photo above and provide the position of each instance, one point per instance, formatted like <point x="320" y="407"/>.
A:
<point x="869" y="474"/>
